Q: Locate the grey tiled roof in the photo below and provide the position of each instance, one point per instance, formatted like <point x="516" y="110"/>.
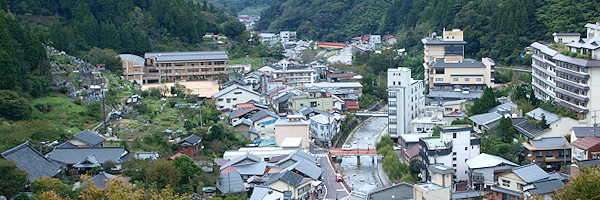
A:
<point x="100" y="180"/>
<point x="239" y="159"/>
<point x="89" y="162"/>
<point x="259" y="192"/>
<point x="297" y="155"/>
<point x="89" y="137"/>
<point x="74" y="155"/>
<point x="305" y="167"/>
<point x="286" y="176"/>
<point x="251" y="169"/>
<point x="399" y="191"/>
<point x="245" y="121"/>
<point x="192" y="139"/>
<point x="530" y="173"/>
<point x="465" y="195"/>
<point x="232" y="114"/>
<point x="66" y="144"/>
<point x="550" y="142"/>
<point x="584" y="131"/>
<point x="546" y="186"/>
<point x="32" y="161"/>
<point x="262" y="114"/>
<point x="231" y="183"/>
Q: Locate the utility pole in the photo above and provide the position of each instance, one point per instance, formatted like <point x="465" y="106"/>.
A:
<point x="103" y="103"/>
<point x="200" y="111"/>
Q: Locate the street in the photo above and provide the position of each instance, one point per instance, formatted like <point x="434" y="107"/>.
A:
<point x="331" y="185"/>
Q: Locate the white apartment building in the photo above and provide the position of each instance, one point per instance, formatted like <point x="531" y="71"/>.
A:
<point x="453" y="148"/>
<point x="405" y="100"/>
<point x="566" y="80"/>
<point x="297" y="77"/>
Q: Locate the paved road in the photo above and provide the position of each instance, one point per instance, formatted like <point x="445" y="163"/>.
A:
<point x="344" y="56"/>
<point x="329" y="180"/>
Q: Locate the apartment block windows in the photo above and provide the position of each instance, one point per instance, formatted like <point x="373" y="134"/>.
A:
<point x="439" y="79"/>
<point x="467" y="79"/>
<point x="392" y="94"/>
<point x="454" y="135"/>
<point x="439" y="71"/>
<point x="478" y="79"/>
<point x="392" y="103"/>
<point x="549" y="153"/>
<point x="505" y="183"/>
<point x="392" y="112"/>
<point x="392" y="120"/>
<point x="454" y="79"/>
<point x="313" y="104"/>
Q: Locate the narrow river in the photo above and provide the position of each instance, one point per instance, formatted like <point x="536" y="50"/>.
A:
<point x="361" y="177"/>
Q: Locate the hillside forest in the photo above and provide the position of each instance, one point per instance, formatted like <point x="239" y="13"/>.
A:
<point x="496" y="29"/>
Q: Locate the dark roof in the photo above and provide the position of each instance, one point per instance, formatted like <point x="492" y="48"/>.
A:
<point x="506" y="191"/>
<point x="32" y="161"/>
<point x="412" y="152"/>
<point x="231" y="88"/>
<point x="399" y="191"/>
<point x="74" y="155"/>
<point x="297" y="155"/>
<point x="530" y="173"/>
<point x="89" y="162"/>
<point x="192" y="139"/>
<point x="527" y="129"/>
<point x="190" y="55"/>
<point x="101" y="179"/>
<point x="252" y="168"/>
<point x="286" y="176"/>
<point x="307" y="168"/>
<point x="590" y="162"/>
<point x="546" y="186"/>
<point x="584" y="131"/>
<point x="261" y="114"/>
<point x="220" y="161"/>
<point x="276" y="159"/>
<point x="231" y="183"/>
<point x="441" y="63"/>
<point x="234" y="81"/>
<point x="233" y="114"/>
<point x="89" y="137"/>
<point x="66" y="144"/>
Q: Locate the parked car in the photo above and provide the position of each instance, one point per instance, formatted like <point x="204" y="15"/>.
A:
<point x="347" y="147"/>
<point x="339" y="178"/>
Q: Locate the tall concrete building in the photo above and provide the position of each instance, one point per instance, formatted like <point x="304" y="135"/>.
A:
<point x="447" y="68"/>
<point x="564" y="73"/>
<point x="405" y="100"/>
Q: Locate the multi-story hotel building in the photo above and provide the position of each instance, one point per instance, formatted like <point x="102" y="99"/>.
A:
<point x="405" y="100"/>
<point x="567" y="80"/>
<point x="171" y="66"/>
<point x="446" y="67"/>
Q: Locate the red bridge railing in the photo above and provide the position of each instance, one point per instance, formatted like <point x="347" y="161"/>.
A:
<point x="339" y="151"/>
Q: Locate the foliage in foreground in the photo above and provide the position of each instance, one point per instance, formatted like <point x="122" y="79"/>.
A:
<point x="584" y="186"/>
<point x="13" y="179"/>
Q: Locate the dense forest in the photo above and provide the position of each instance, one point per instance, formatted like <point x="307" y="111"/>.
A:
<point x="496" y="29"/>
<point x="126" y="26"/>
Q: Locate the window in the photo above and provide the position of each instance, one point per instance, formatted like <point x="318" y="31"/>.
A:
<point x="228" y="100"/>
<point x="466" y="148"/>
<point x="454" y="159"/>
<point x="478" y="79"/>
<point x="448" y="109"/>
<point x="439" y="71"/>
<point x="505" y="183"/>
<point x="266" y="159"/>
<point x="519" y="186"/>
<point x="465" y="171"/>
<point x="237" y="93"/>
<point x="467" y="79"/>
<point x="393" y="82"/>
<point x="454" y="79"/>
<point x="392" y="94"/>
<point x="392" y="103"/>
<point x="539" y="154"/>
<point x="301" y="104"/>
<point x="549" y="153"/>
<point x="313" y="104"/>
<point x="505" y="196"/>
<point x="220" y="99"/>
<point x="439" y="79"/>
<point x="453" y="165"/>
<point x="453" y="153"/>
<point x="454" y="136"/>
<point x="326" y="103"/>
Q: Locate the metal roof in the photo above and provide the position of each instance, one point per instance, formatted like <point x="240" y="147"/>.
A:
<point x="192" y="139"/>
<point x="440" y="41"/>
<point x="245" y="121"/>
<point x="506" y="191"/>
<point x="453" y="102"/>
<point x="398" y="191"/>
<point x="538" y="112"/>
<point x="484" y="160"/>
<point x="260" y="192"/>
<point x="505" y="106"/>
<point x="527" y="129"/>
<point x="252" y="168"/>
<point x="231" y="183"/>
<point x="239" y="159"/>
<point x="440" y="169"/>
<point x="589" y="43"/>
<point x="335" y="85"/>
<point x="89" y="137"/>
<point x="486" y="118"/>
<point x="294" y="155"/>
<point x="133" y="58"/>
<point x="451" y="94"/>
<point x="530" y="173"/>
<point x="185" y="56"/>
<point x="465" y="195"/>
<point x="262" y="114"/>
<point x="586" y="143"/>
<point x="584" y="131"/>
<point x="285" y="122"/>
<point x="286" y="176"/>
<point x="29" y="159"/>
<point x="461" y="64"/>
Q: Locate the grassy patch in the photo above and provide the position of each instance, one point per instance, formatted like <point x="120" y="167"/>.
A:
<point x="66" y="114"/>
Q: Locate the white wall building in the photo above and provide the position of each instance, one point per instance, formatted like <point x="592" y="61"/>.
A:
<point x="296" y="76"/>
<point x="234" y="94"/>
<point x="566" y="80"/>
<point x="405" y="100"/>
<point x="453" y="148"/>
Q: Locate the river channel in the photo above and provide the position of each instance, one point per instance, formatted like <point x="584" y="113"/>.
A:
<point x="361" y="177"/>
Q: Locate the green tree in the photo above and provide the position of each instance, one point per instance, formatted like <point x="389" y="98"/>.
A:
<point x="189" y="173"/>
<point x="9" y="75"/>
<point x="135" y="168"/>
<point x="45" y="183"/>
<point x="232" y="28"/>
<point x="584" y="186"/>
<point x="162" y="173"/>
<point x="13" y="106"/>
<point x="13" y="179"/>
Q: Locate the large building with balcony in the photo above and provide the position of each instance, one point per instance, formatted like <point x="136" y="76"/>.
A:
<point x="172" y="66"/>
<point x="405" y="100"/>
<point x="564" y="73"/>
<point x="447" y="68"/>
